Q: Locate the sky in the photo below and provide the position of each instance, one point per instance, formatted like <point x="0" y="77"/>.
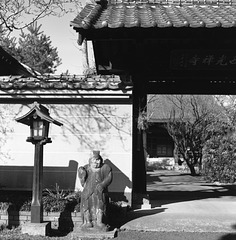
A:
<point x="64" y="38"/>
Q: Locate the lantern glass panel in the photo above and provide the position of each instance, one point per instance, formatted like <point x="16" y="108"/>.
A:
<point x="38" y="128"/>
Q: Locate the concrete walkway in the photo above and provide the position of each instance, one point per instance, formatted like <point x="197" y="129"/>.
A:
<point x="183" y="203"/>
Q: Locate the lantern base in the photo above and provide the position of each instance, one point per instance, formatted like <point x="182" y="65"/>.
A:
<point x="34" y="229"/>
<point x="43" y="141"/>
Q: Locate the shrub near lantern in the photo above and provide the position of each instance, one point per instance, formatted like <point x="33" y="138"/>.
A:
<point x="38" y="119"/>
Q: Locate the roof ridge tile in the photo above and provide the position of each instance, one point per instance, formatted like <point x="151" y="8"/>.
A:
<point x="158" y="13"/>
<point x="64" y="82"/>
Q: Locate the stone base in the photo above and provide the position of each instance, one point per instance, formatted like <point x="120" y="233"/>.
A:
<point x="93" y="233"/>
<point x="34" y="229"/>
<point x="141" y="201"/>
<point x="146" y="206"/>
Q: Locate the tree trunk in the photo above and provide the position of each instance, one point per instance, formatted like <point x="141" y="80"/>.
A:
<point x="191" y="168"/>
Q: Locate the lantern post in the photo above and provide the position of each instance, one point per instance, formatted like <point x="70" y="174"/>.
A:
<point x="38" y="119"/>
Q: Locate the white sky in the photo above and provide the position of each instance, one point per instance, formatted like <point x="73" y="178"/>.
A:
<point x="65" y="39"/>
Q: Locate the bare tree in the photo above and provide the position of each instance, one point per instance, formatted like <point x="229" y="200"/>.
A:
<point x="228" y="105"/>
<point x="190" y="116"/>
<point x="188" y="119"/>
<point x="19" y="14"/>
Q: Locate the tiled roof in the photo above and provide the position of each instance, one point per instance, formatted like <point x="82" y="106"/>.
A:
<point x="94" y="83"/>
<point x="10" y="66"/>
<point x="157" y="13"/>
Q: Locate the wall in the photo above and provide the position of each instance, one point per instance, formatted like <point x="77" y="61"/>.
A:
<point x="64" y="221"/>
<point x="85" y="128"/>
<point x="21" y="177"/>
<point x="61" y="221"/>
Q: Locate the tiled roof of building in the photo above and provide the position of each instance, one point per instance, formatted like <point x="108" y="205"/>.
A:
<point x="10" y="66"/>
<point x="161" y="108"/>
<point x="74" y="82"/>
<point x="157" y="13"/>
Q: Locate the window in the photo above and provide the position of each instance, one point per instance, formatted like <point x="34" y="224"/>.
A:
<point x="159" y="148"/>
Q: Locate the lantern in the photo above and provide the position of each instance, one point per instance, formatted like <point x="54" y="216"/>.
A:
<point x="38" y="119"/>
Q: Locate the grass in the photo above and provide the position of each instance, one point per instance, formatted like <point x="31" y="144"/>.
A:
<point x="15" y="234"/>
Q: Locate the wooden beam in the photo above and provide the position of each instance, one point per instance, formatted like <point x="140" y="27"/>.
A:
<point x="71" y="100"/>
<point x="158" y="33"/>
<point x="190" y="87"/>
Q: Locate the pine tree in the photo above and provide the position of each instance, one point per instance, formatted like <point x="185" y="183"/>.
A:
<point x="36" y="51"/>
<point x="9" y="44"/>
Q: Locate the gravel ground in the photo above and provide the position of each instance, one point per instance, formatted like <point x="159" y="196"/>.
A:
<point x="139" y="235"/>
<point x="129" y="235"/>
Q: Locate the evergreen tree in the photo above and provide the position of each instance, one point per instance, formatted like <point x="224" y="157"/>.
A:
<point x="9" y="44"/>
<point x="36" y="51"/>
<point x="33" y="49"/>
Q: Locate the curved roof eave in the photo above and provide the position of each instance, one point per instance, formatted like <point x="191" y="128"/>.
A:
<point x="153" y="14"/>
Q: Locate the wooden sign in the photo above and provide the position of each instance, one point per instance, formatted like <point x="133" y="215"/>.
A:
<point x="203" y="59"/>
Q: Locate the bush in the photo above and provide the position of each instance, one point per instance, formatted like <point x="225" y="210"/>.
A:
<point x="4" y="206"/>
<point x="164" y="164"/>
<point x="58" y="200"/>
<point x="13" y="200"/>
<point x="55" y="200"/>
<point x="220" y="159"/>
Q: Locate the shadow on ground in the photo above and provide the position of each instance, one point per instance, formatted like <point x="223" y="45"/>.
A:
<point x="166" y="187"/>
<point x="229" y="236"/>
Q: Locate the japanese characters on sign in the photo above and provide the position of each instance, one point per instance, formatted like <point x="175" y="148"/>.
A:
<point x="203" y="60"/>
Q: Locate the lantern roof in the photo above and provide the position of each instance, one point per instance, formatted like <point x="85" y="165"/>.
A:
<point x="40" y="111"/>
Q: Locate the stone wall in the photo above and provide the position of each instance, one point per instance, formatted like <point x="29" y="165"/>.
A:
<point x="62" y="221"/>
<point x="65" y="221"/>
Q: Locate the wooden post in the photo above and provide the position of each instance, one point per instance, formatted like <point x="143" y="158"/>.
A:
<point x="139" y="160"/>
<point x="36" y="205"/>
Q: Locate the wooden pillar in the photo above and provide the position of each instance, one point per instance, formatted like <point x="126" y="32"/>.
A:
<point x="139" y="154"/>
<point x="37" y="205"/>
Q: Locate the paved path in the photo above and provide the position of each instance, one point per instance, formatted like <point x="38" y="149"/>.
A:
<point x="187" y="205"/>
